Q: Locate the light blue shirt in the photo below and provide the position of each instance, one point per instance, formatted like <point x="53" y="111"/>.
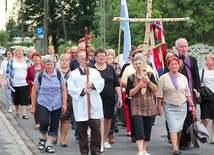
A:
<point x="49" y="94"/>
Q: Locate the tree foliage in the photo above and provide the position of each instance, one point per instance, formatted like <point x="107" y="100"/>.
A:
<point x="81" y="13"/>
<point x="3" y="38"/>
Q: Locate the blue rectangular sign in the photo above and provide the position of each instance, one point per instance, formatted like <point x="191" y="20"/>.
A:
<point x="39" y="31"/>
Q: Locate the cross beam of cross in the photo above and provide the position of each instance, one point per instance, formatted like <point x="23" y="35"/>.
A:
<point x="148" y="20"/>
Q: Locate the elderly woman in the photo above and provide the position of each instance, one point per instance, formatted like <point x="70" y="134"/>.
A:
<point x="173" y="96"/>
<point x="50" y="94"/>
<point x="142" y="110"/>
<point x="64" y="61"/>
<point x="31" y="72"/>
<point x="16" y="73"/>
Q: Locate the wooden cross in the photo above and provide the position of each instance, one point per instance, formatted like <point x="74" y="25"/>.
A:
<point x="148" y="21"/>
<point x="87" y="39"/>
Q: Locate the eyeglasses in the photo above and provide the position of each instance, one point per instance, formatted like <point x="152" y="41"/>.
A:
<point x="99" y="56"/>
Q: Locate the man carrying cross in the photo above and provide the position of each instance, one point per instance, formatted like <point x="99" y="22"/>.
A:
<point x="79" y="89"/>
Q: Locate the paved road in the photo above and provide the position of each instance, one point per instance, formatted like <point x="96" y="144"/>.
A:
<point x="19" y="137"/>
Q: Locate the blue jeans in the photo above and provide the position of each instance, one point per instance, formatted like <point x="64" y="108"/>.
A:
<point x="48" y="119"/>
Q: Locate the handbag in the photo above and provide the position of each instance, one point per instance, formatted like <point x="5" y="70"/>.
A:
<point x="198" y="133"/>
<point x="205" y="93"/>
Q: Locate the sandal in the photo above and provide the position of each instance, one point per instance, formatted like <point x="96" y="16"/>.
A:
<point x="64" y="145"/>
<point x="25" y="117"/>
<point x="37" y="126"/>
<point x="41" y="145"/>
<point x="49" y="149"/>
<point x="16" y="116"/>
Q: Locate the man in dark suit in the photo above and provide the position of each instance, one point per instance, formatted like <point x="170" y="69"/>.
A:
<point x="74" y="64"/>
<point x="189" y="68"/>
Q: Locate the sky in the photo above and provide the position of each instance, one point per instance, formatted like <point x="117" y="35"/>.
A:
<point x="3" y="13"/>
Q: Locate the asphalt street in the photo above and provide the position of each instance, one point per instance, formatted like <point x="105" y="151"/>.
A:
<point x="18" y="137"/>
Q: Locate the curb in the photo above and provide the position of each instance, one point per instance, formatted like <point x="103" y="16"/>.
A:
<point x="24" y="142"/>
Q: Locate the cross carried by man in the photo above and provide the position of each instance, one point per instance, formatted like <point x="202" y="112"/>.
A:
<point x="147" y="36"/>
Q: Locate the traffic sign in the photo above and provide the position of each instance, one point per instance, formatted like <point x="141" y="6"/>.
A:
<point x="39" y="32"/>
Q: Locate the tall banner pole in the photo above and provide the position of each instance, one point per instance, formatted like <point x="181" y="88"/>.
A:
<point x="119" y="41"/>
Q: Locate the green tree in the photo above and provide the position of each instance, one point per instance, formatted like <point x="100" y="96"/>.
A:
<point x="13" y="29"/>
<point x="3" y="38"/>
<point x="77" y="14"/>
<point x="197" y="30"/>
<point x="81" y="13"/>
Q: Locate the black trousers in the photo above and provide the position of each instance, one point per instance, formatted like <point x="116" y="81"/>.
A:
<point x="95" y="135"/>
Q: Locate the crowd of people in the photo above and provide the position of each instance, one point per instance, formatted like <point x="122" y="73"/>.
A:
<point x="64" y="90"/>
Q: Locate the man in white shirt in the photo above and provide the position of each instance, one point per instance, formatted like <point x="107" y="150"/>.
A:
<point x="79" y="89"/>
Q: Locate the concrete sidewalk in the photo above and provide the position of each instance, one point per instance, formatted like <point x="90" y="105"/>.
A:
<point x="10" y="141"/>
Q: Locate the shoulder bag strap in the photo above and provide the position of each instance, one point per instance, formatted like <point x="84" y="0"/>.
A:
<point x="202" y="75"/>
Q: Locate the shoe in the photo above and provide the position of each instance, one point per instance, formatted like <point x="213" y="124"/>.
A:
<point x="212" y="142"/>
<point x="37" y="126"/>
<point x="49" y="149"/>
<point x="25" y="117"/>
<point x="111" y="138"/>
<point x="176" y="152"/>
<point x="188" y="144"/>
<point x="41" y="145"/>
<point x="116" y="130"/>
<point x="101" y="149"/>
<point x="106" y="145"/>
<point x="128" y="134"/>
<point x="133" y="140"/>
<point x="16" y="116"/>
<point x="13" y="107"/>
<point x="54" y="142"/>
<point x="96" y="153"/>
<point x="28" y="107"/>
<point x="145" y="153"/>
<point x="77" y="140"/>
<point x="64" y="145"/>
<point x="182" y="147"/>
<point x="10" y="109"/>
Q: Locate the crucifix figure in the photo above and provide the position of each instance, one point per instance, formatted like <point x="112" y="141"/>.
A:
<point x="147" y="36"/>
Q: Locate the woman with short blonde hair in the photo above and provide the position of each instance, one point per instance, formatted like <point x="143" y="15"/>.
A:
<point x="16" y="73"/>
<point x="207" y="108"/>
